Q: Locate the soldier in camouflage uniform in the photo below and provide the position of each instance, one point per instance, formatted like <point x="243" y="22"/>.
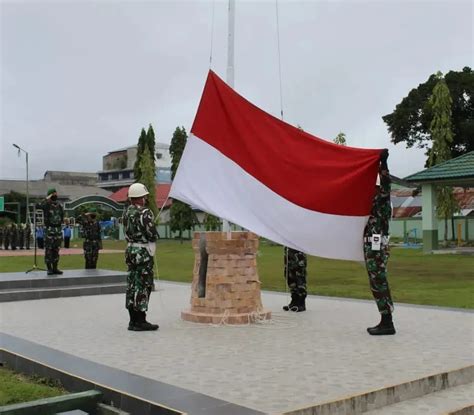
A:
<point x="92" y="239"/>
<point x="295" y="274"/>
<point x="27" y="233"/>
<point x="53" y="215"/>
<point x="13" y="236"/>
<point x="141" y="235"/>
<point x="376" y="254"/>
<point x="2" y="232"/>
<point x="21" y="236"/>
<point x="6" y="237"/>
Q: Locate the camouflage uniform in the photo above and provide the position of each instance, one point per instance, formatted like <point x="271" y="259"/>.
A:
<point x="27" y="232"/>
<point x="6" y="237"/>
<point x="53" y="218"/>
<point x="376" y="261"/>
<point x="295" y="271"/>
<point x="2" y="232"/>
<point x="92" y="242"/>
<point x="139" y="227"/>
<point x="13" y="237"/>
<point x="21" y="236"/>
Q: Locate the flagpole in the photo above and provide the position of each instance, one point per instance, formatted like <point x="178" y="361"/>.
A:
<point x="230" y="74"/>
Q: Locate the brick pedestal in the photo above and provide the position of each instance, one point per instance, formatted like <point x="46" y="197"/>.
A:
<point x="225" y="284"/>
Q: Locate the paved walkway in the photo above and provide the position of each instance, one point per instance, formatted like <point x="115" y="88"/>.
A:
<point x="63" y="251"/>
<point x="295" y="360"/>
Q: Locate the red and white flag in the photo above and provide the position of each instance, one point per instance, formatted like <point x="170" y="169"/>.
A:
<point x="244" y="165"/>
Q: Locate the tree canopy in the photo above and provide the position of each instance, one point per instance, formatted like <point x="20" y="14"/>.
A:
<point x="340" y="139"/>
<point x="410" y="122"/>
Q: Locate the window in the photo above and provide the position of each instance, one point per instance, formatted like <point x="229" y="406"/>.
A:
<point x="159" y="156"/>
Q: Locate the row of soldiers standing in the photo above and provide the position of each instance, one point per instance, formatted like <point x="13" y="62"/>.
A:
<point x="15" y="236"/>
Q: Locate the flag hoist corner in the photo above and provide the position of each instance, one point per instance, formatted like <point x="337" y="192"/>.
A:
<point x="247" y="166"/>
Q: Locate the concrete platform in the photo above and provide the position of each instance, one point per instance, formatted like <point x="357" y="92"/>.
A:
<point x="21" y="286"/>
<point x="290" y="364"/>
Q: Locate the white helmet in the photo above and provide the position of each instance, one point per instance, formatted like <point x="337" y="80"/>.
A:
<point x="137" y="190"/>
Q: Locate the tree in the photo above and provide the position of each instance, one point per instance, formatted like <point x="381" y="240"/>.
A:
<point x="341" y="139"/>
<point x="178" y="142"/>
<point x="182" y="216"/>
<point x="442" y="135"/>
<point x="410" y="122"/>
<point x="148" y="178"/>
<point x="140" y="148"/>
<point x="150" y="145"/>
<point x="211" y="222"/>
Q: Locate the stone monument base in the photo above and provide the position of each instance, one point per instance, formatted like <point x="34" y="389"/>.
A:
<point x="226" y="287"/>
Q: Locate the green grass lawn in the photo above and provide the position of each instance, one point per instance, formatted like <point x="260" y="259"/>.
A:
<point x="444" y="280"/>
<point x="16" y="388"/>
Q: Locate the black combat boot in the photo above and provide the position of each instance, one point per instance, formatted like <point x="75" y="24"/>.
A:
<point x="133" y="318"/>
<point x="50" y="269"/>
<point x="142" y="324"/>
<point x="300" y="305"/>
<point x="385" y="327"/>
<point x="56" y="270"/>
<point x="293" y="303"/>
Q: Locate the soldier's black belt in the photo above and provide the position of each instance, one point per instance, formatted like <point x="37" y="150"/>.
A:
<point x="385" y="239"/>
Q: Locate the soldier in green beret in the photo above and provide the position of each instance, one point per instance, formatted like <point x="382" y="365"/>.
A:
<point x="92" y="238"/>
<point x="53" y="215"/>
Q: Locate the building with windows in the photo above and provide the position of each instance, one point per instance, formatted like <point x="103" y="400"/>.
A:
<point x="117" y="167"/>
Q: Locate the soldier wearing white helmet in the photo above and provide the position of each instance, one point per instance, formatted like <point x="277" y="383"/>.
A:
<point x="141" y="235"/>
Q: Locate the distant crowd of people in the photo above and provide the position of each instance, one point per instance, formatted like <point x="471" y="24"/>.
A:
<point x="20" y="236"/>
<point x="15" y="236"/>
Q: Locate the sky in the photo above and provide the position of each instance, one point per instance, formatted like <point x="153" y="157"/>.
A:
<point x="82" y="78"/>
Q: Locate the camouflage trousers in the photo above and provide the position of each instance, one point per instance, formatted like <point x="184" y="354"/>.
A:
<point x="140" y="278"/>
<point x="376" y="263"/>
<point x="295" y="271"/>
<point x="91" y="253"/>
<point x="52" y="243"/>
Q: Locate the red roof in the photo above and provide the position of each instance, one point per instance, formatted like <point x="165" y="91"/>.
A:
<point x="162" y="191"/>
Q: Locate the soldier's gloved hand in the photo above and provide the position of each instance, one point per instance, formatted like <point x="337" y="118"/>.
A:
<point x="383" y="158"/>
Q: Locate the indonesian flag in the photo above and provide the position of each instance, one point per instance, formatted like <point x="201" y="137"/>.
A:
<point x="244" y="165"/>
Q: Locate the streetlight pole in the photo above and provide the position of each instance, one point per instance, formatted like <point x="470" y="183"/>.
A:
<point x="28" y="221"/>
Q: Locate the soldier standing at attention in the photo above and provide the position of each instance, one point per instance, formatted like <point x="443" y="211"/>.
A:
<point x="295" y="274"/>
<point x="53" y="215"/>
<point x="27" y="236"/>
<point x="6" y="237"/>
<point x="13" y="236"/>
<point x="21" y="236"/>
<point x="92" y="239"/>
<point x="141" y="235"/>
<point x="2" y="231"/>
<point x="376" y="249"/>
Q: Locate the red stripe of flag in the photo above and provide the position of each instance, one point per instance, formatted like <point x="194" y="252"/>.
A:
<point x="304" y="169"/>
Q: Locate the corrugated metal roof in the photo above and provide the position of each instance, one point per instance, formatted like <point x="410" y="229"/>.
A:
<point x="461" y="167"/>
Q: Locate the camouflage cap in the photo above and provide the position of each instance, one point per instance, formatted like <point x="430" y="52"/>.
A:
<point x="51" y="191"/>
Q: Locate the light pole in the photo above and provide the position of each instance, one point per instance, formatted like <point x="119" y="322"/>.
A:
<point x="28" y="221"/>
